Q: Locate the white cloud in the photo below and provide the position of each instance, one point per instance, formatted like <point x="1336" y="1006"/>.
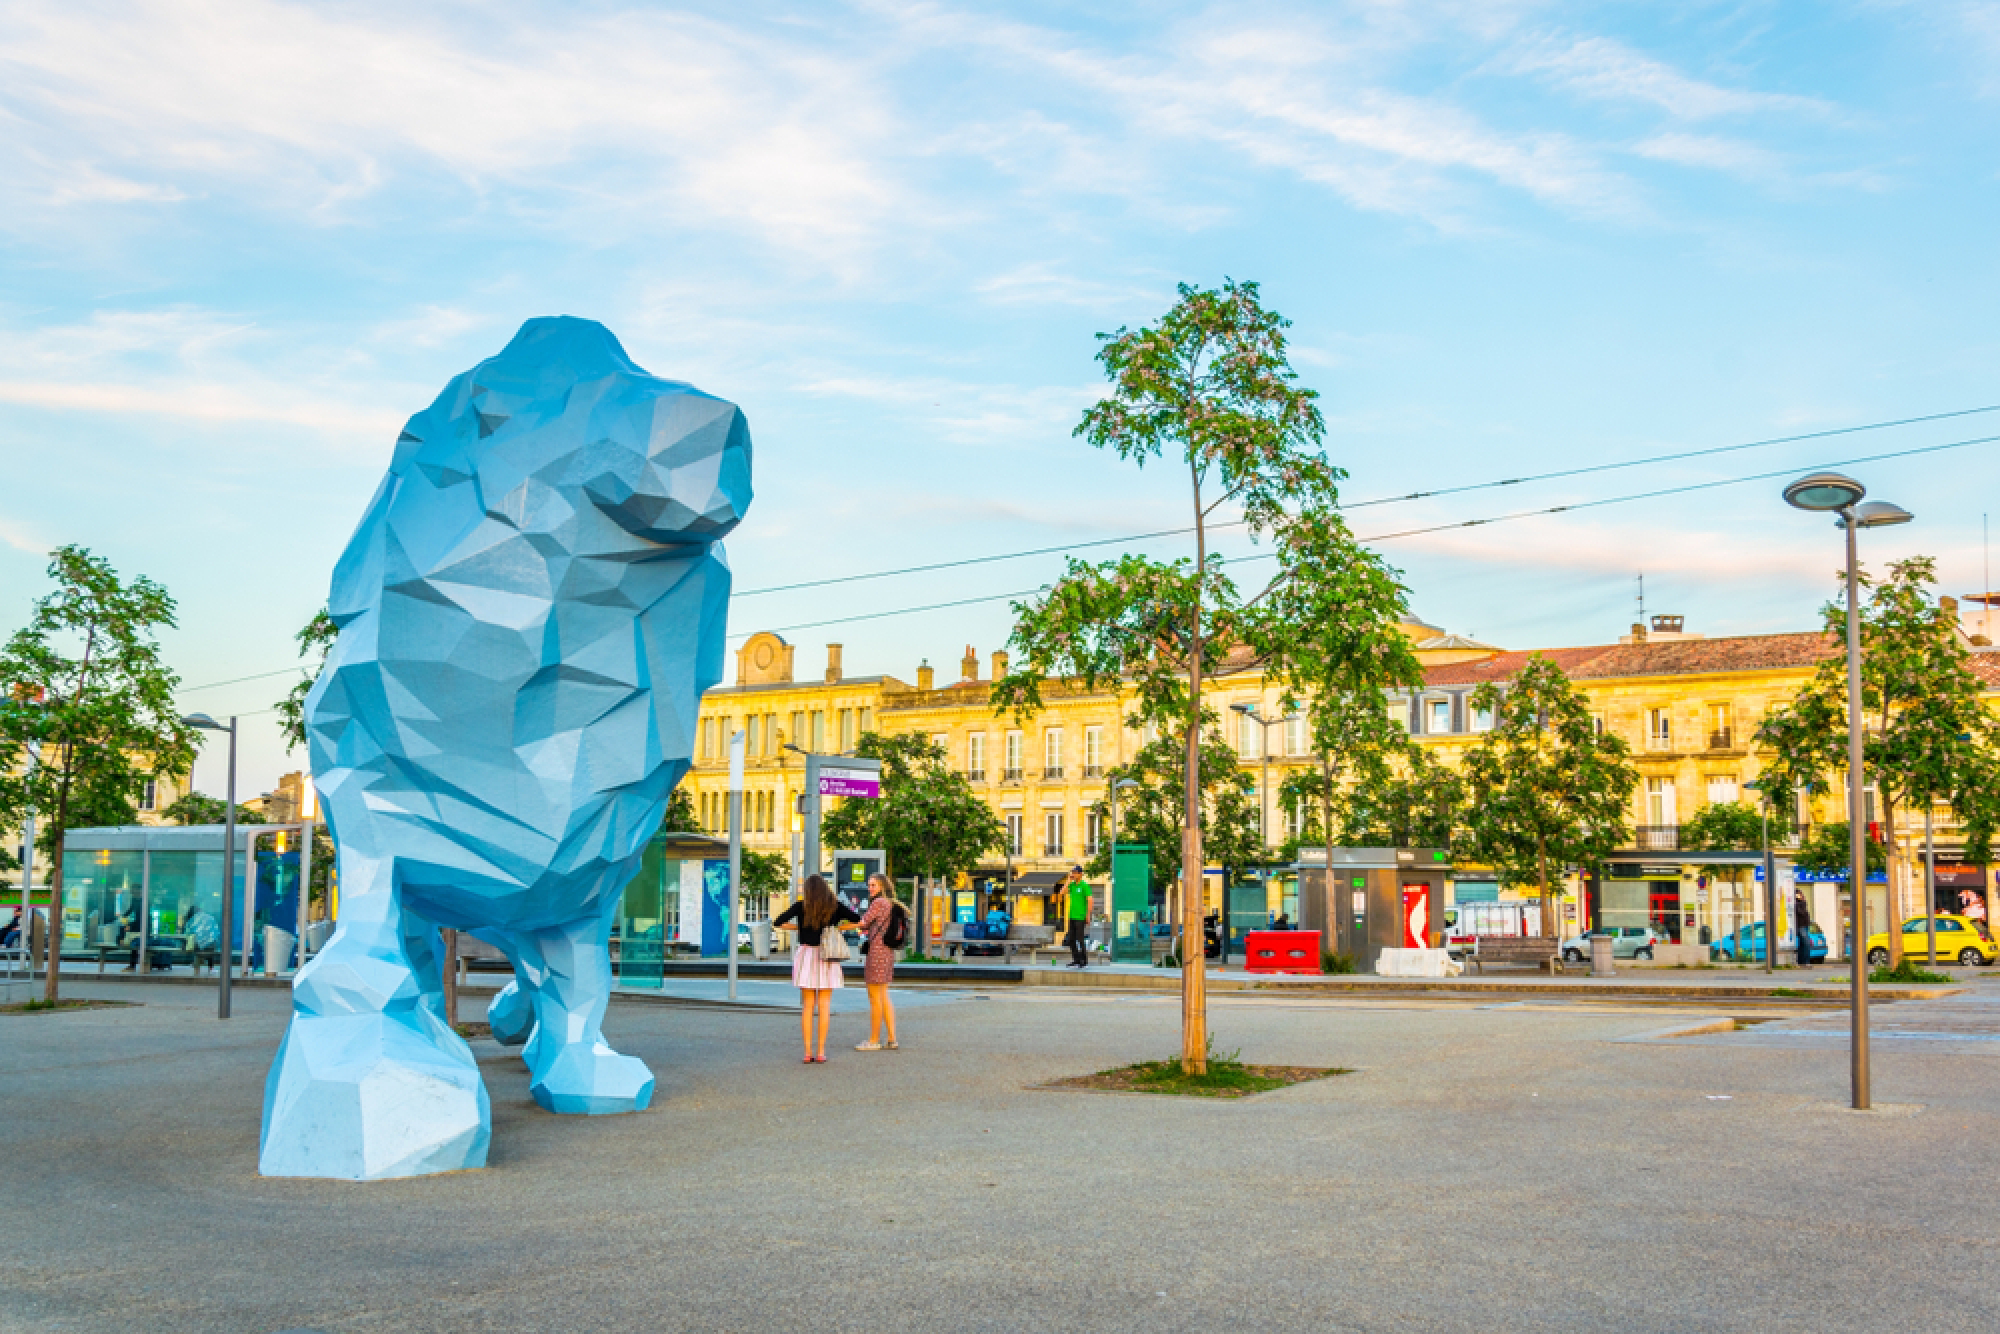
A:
<point x="313" y="107"/>
<point x="1044" y="283"/>
<point x="1608" y="70"/>
<point x="1714" y="153"/>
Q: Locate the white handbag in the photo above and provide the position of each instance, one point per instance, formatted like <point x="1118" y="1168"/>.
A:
<point x="832" y="944"/>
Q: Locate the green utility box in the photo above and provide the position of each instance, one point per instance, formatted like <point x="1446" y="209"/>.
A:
<point x="1131" y="903"/>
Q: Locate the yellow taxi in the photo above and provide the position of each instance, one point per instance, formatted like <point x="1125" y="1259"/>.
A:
<point x="1958" y="938"/>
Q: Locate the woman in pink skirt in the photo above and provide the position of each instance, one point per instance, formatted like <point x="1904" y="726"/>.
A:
<point x="817" y="979"/>
<point x="881" y="962"/>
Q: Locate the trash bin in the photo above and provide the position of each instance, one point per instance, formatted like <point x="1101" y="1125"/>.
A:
<point x="277" y="950"/>
<point x="760" y="940"/>
<point x="1601" y="956"/>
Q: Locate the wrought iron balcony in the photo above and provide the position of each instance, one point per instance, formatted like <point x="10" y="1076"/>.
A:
<point x="976" y="775"/>
<point x="1052" y="771"/>
<point x="1010" y="775"/>
<point x="1052" y="849"/>
<point x="1093" y="771"/>
<point x="1719" y="739"/>
<point x="1657" y="837"/>
<point x="1655" y="741"/>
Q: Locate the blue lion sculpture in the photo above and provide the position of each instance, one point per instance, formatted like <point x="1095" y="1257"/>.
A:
<point x="529" y="613"/>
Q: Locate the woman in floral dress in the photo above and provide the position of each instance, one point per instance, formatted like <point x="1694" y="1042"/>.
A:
<point x="880" y="967"/>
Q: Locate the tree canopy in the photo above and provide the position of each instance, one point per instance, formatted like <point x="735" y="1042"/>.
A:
<point x="84" y="686"/>
<point x="928" y="821"/>
<point x="1545" y="790"/>
<point x="1210" y="390"/>
<point x="200" y="808"/>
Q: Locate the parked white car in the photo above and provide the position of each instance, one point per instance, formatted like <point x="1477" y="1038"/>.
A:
<point x="1627" y="942"/>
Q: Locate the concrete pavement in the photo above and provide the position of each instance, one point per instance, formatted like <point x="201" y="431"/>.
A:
<point x="1510" y="1165"/>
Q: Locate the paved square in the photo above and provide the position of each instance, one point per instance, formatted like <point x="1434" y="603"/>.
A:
<point x="1518" y="1165"/>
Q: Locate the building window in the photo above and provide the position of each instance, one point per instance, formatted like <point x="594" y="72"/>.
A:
<point x="975" y="757"/>
<point x="818" y="731"/>
<point x="1597" y="724"/>
<point x="1661" y="809"/>
<point x="1480" y="719"/>
<point x="1014" y="835"/>
<point x="1721" y="787"/>
<point x="149" y="797"/>
<point x="868" y="720"/>
<point x="1437" y="717"/>
<point x="753" y="741"/>
<point x="1052" y="834"/>
<point x="1052" y="759"/>
<point x="847" y="729"/>
<point x="1093" y="752"/>
<point x="1399" y="713"/>
<point x="1659" y="729"/>
<point x="1295" y="734"/>
<point x="1720" y="730"/>
<point x="1013" y="768"/>
<point x="1093" y="833"/>
<point x="1247" y="729"/>
<point x="799" y="737"/>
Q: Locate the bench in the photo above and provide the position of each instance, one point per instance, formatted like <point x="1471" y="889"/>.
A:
<point x="1516" y="952"/>
<point x="1020" y="936"/>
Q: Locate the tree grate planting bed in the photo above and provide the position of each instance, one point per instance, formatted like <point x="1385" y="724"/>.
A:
<point x="1224" y="1079"/>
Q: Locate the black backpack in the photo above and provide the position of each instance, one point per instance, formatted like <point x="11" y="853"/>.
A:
<point x="897" y="933"/>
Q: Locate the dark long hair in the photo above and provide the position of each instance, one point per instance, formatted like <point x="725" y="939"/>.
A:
<point x="820" y="903"/>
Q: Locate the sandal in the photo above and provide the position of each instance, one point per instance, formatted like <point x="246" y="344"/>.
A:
<point x="870" y="1046"/>
<point x="892" y="1045"/>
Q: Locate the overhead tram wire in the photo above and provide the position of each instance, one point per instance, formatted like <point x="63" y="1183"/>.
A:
<point x="1359" y="504"/>
<point x="1432" y="528"/>
<point x="1372" y="503"/>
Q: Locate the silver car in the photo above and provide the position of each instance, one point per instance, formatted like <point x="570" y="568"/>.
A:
<point x="1627" y="942"/>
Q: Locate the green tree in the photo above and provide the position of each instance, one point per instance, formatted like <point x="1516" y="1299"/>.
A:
<point x="1155" y="811"/>
<point x="928" y="821"/>
<point x="1208" y="389"/>
<point x="200" y="808"/>
<point x="1825" y="851"/>
<point x="314" y="640"/>
<point x="1545" y="790"/>
<point x="1407" y="799"/>
<point x="1725" y="826"/>
<point x="681" y="816"/>
<point x="1927" y="737"/>
<point x="84" y="683"/>
<point x="764" y="874"/>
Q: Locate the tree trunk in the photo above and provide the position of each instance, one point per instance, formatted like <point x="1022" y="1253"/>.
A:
<point x="450" y="975"/>
<point x="1542" y="880"/>
<point x="1194" y="980"/>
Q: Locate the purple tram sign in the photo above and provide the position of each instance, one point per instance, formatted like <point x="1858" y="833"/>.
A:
<point x="842" y="782"/>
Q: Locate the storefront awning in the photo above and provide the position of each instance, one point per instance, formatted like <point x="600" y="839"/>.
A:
<point x="1042" y="883"/>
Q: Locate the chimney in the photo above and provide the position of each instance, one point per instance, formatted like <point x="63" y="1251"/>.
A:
<point x="999" y="663"/>
<point x="832" y="664"/>
<point x="926" y="675"/>
<point x="968" y="666"/>
<point x="1948" y="604"/>
<point x="1669" y="625"/>
<point x="1638" y="633"/>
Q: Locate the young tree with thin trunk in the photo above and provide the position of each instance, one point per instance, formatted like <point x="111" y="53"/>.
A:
<point x="1927" y="736"/>
<point x="1545" y="790"/>
<point x="84" y="681"/>
<point x="1208" y="389"/>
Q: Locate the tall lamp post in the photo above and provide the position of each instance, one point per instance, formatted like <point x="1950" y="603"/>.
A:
<point x="226" y="962"/>
<point x="1249" y="711"/>
<point x="1832" y="492"/>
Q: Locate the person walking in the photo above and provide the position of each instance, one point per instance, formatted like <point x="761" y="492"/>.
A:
<point x="885" y="919"/>
<point x="816" y="976"/>
<point x="1802" y="931"/>
<point x="1076" y="894"/>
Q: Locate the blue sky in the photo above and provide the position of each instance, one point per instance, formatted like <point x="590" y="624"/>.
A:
<point x="240" y="242"/>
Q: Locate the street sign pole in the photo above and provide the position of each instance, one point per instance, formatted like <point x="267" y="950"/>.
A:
<point x="735" y="850"/>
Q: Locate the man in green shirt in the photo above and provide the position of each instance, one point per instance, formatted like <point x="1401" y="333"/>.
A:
<point x="1075" y="894"/>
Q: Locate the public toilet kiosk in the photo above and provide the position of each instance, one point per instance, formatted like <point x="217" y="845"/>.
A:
<point x="1393" y="899"/>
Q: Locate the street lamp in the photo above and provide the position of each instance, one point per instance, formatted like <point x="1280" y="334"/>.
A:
<point x="207" y="724"/>
<point x="1833" y="492"/>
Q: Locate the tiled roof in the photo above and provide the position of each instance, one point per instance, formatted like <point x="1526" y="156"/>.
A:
<point x="1681" y="657"/>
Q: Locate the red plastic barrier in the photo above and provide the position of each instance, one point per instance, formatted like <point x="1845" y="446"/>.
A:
<point x="1281" y="951"/>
